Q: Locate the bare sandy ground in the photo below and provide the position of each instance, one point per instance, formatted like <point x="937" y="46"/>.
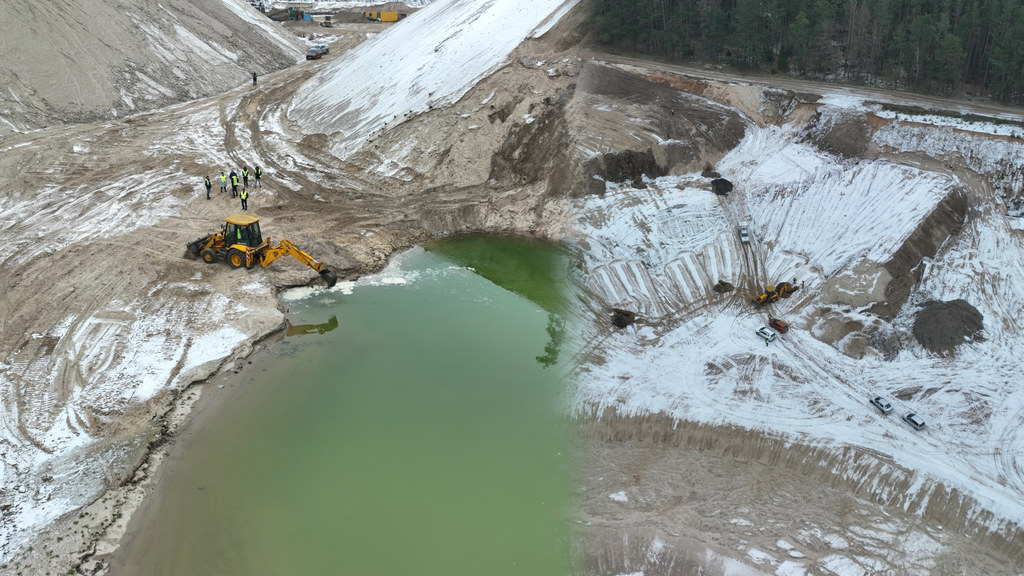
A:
<point x="663" y="497"/>
<point x="91" y="60"/>
<point x="651" y="492"/>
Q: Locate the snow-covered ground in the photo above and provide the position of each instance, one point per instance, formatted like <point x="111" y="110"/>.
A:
<point x="358" y="95"/>
<point x="816" y="218"/>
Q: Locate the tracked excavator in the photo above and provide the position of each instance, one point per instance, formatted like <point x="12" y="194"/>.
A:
<point x="241" y="244"/>
<point x="771" y="293"/>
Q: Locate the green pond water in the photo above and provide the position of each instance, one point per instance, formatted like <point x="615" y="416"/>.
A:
<point x="412" y="426"/>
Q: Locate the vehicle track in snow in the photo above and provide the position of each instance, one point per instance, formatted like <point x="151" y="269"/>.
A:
<point x="814" y="382"/>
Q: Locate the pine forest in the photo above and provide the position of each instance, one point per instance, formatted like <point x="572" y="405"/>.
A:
<point x="937" y="46"/>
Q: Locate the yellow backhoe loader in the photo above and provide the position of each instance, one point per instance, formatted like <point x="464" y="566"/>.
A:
<point x="771" y="293"/>
<point x="241" y="244"/>
<point x="767" y="297"/>
<point x="786" y="289"/>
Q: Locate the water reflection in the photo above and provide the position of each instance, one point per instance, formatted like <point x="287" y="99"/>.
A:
<point x="303" y="329"/>
<point x="534" y="269"/>
<point x="556" y="335"/>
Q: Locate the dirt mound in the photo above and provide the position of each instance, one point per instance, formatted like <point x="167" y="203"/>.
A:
<point x="942" y="326"/>
<point x="722" y="287"/>
<point x="721" y="186"/>
<point x="622" y="318"/>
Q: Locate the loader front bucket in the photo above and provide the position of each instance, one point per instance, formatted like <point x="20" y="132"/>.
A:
<point x="192" y="249"/>
<point x="330" y="278"/>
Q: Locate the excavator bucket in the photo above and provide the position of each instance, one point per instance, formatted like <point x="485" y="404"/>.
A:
<point x="192" y="249"/>
<point x="330" y="278"/>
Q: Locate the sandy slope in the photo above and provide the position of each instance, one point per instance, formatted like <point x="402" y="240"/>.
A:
<point x="99" y="214"/>
<point x="105" y="325"/>
<point x="87" y="60"/>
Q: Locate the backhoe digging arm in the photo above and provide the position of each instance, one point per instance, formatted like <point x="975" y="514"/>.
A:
<point x="286" y="247"/>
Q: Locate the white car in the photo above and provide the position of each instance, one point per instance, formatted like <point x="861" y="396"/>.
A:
<point x="745" y="233"/>
<point x="766" y="334"/>
<point x="325" y="48"/>
<point x="882" y="404"/>
<point x="914" y="420"/>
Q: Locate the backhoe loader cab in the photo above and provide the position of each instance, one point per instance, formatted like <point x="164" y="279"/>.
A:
<point x="243" y="229"/>
<point x="241" y="243"/>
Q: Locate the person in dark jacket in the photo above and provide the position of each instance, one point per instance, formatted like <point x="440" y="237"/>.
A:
<point x="253" y="78"/>
<point x="258" y="173"/>
<point x="208" y="184"/>
<point x="234" y="183"/>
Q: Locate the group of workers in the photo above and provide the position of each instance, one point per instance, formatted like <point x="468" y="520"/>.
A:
<point x="232" y="180"/>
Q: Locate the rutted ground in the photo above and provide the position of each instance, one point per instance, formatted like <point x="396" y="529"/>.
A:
<point x="662" y="497"/>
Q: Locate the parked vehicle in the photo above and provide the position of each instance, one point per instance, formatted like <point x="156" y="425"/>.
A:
<point x="766" y="334"/>
<point x="314" y="54"/>
<point x="325" y="48"/>
<point x="384" y="16"/>
<point x="745" y="233"/>
<point x="914" y="420"/>
<point x="781" y="326"/>
<point x="882" y="404"/>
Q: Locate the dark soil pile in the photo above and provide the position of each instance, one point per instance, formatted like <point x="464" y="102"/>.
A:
<point x="626" y="166"/>
<point x="622" y="318"/>
<point x="721" y="186"/>
<point x="942" y="326"/>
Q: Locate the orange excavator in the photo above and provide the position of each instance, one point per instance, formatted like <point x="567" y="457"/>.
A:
<point x="240" y="243"/>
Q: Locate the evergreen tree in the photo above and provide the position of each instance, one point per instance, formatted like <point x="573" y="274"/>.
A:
<point x="934" y="45"/>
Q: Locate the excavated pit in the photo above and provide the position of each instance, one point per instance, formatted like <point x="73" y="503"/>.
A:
<point x="643" y="127"/>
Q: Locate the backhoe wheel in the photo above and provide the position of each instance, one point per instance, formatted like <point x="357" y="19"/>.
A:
<point x="236" y="258"/>
<point x="208" y="255"/>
